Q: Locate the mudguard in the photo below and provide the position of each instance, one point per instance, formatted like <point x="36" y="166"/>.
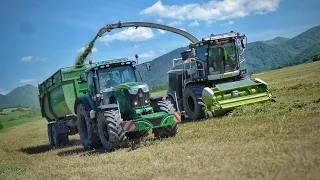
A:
<point x="86" y="101"/>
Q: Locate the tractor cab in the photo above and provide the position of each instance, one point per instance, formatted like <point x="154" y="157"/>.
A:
<point x="215" y="57"/>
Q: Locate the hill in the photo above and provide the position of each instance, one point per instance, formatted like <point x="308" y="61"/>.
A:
<point x="277" y="40"/>
<point x="160" y="66"/>
<point x="260" y="56"/>
<point x="25" y="96"/>
<point x="264" y="141"/>
<point x="303" y="57"/>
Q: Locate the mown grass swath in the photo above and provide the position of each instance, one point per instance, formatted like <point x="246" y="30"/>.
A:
<point x="264" y="141"/>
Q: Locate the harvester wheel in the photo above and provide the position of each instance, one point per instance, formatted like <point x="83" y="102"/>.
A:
<point x="191" y="98"/>
<point x="110" y="130"/>
<point x="87" y="128"/>
<point x="166" y="131"/>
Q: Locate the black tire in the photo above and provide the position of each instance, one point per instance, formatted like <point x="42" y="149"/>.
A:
<point x="167" y="131"/>
<point x="191" y="97"/>
<point x="56" y="139"/>
<point x="50" y="137"/>
<point x="172" y="101"/>
<point x="110" y="130"/>
<point x="87" y="128"/>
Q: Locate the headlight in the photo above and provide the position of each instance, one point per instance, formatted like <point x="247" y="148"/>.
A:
<point x="133" y="91"/>
<point x="145" y="89"/>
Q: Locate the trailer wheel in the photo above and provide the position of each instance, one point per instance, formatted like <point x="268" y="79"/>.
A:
<point x="87" y="128"/>
<point x="110" y="130"/>
<point x="50" y="137"/>
<point x="57" y="139"/>
<point x="191" y="98"/>
<point x="167" y="131"/>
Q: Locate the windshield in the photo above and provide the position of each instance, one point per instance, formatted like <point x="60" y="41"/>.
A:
<point x="111" y="77"/>
<point x="222" y="58"/>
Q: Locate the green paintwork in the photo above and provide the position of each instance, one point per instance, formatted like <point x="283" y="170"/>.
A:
<point x="60" y="91"/>
<point x="146" y="122"/>
<point x="249" y="92"/>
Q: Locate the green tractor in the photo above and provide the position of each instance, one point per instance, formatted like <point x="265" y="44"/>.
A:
<point x="106" y="104"/>
<point x="210" y="78"/>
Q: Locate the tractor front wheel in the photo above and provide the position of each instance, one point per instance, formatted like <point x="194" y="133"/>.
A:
<point x="191" y="98"/>
<point x="166" y="131"/>
<point x="110" y="131"/>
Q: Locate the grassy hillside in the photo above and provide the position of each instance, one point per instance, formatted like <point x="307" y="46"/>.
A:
<point x="25" y="96"/>
<point x="303" y="57"/>
<point x="277" y="40"/>
<point x="266" y="141"/>
<point x="160" y="67"/>
<point x="10" y="117"/>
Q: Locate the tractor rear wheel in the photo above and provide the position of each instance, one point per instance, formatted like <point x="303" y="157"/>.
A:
<point x="87" y="128"/>
<point x="166" y="131"/>
<point x="191" y="98"/>
<point x="110" y="130"/>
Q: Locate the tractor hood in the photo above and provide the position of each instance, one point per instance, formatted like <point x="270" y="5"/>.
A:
<point x="133" y="87"/>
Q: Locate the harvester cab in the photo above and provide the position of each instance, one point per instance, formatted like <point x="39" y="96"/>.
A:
<point x="118" y="107"/>
<point x="210" y="78"/>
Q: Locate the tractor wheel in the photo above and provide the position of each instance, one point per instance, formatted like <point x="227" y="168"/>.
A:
<point x="191" y="97"/>
<point x="137" y="134"/>
<point x="167" y="131"/>
<point x="55" y="138"/>
<point x="110" y="131"/>
<point x="87" y="128"/>
<point x="170" y="98"/>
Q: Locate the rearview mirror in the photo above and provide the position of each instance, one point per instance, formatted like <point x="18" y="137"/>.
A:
<point x="148" y="66"/>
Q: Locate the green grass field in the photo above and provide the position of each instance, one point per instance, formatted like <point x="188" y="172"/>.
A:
<point x="10" y="117"/>
<point x="266" y="141"/>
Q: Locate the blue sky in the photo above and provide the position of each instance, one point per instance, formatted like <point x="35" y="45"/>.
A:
<point x="37" y="37"/>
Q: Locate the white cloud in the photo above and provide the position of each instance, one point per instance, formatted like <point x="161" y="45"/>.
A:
<point x="26" y="80"/>
<point x="175" y="23"/>
<point x="83" y="48"/>
<point x="130" y="34"/>
<point x="227" y="23"/>
<point x="136" y="46"/>
<point x="159" y="20"/>
<point x="163" y="51"/>
<point x="210" y="22"/>
<point x="149" y="54"/>
<point x="193" y="23"/>
<point x="162" y="31"/>
<point x="26" y="58"/>
<point x="152" y="54"/>
<point x="212" y="10"/>
<point x="3" y="92"/>
<point x="33" y="58"/>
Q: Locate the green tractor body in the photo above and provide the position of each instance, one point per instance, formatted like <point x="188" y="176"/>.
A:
<point x="211" y="79"/>
<point x="105" y="104"/>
